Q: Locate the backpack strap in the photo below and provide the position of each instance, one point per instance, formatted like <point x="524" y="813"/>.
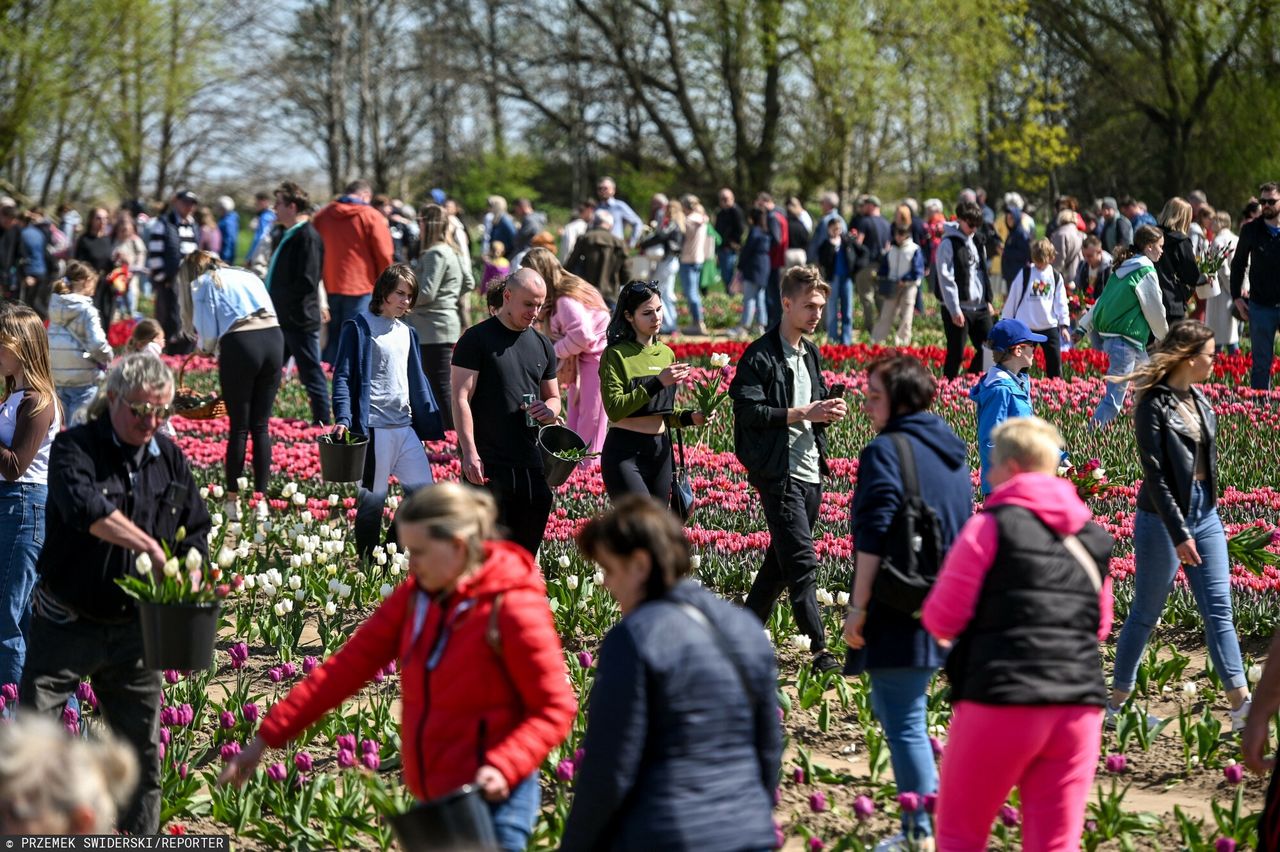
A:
<point x="1026" y="285"/>
<point x="722" y="643"/>
<point x="1074" y="546"/>
<point x="907" y="463"/>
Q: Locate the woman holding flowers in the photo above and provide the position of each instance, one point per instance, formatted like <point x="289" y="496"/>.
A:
<point x="484" y="688"/>
<point x="1177" y="522"/>
<point x="638" y="379"/>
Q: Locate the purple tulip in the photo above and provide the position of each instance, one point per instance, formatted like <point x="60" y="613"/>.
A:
<point x="346" y="758"/>
<point x="937" y="746"/>
<point x="1116" y="763"/>
<point x="797" y="775"/>
<point x="164" y="735"/>
<point x="585" y="659"/>
<point x="239" y="654"/>
<point x="85" y="694"/>
<point x="229" y="751"/>
<point x="565" y="770"/>
<point x="3" y="703"/>
<point x="303" y="761"/>
<point x="309" y="664"/>
<point x="930" y="802"/>
<point x="777" y="796"/>
<point x="277" y="772"/>
<point x="160" y="749"/>
<point x="1009" y="816"/>
<point x="1224" y="844"/>
<point x="368" y="747"/>
<point x="183" y="770"/>
<point x="391" y="668"/>
<point x="275" y="674"/>
<point x="818" y="802"/>
<point x="778" y="837"/>
<point x="9" y="691"/>
<point x="909" y="802"/>
<point x="816" y="844"/>
<point x="172" y="676"/>
<point x="371" y="760"/>
<point x="578" y="755"/>
<point x="227" y="719"/>
<point x="168" y="716"/>
<point x="250" y="712"/>
<point x="70" y="716"/>
<point x="1233" y="773"/>
<point x="347" y="742"/>
<point x="186" y="715"/>
<point x="863" y="807"/>
<point x="290" y="670"/>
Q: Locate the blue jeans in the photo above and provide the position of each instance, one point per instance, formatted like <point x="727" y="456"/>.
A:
<point x="899" y="700"/>
<point x="666" y="275"/>
<point x="513" y="819"/>
<point x="73" y="399"/>
<point x="21" y="537"/>
<point x="727" y="260"/>
<point x="341" y="309"/>
<point x="1263" y="323"/>
<point x="840" y="312"/>
<point x="1122" y="358"/>
<point x="754" y="309"/>
<point x="691" y="283"/>
<point x="1210" y="582"/>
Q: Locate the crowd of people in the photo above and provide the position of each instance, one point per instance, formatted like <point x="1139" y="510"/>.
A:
<point x="383" y="294"/>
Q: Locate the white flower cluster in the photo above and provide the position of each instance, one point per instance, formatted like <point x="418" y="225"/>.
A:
<point x="719" y="360"/>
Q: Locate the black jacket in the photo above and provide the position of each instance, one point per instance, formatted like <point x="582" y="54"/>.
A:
<point x="1168" y="456"/>
<point x="89" y="480"/>
<point x="1178" y="274"/>
<point x="295" y="279"/>
<point x="1033" y="639"/>
<point x="731" y="224"/>
<point x="1258" y="251"/>
<point x="676" y="755"/>
<point x="761" y="392"/>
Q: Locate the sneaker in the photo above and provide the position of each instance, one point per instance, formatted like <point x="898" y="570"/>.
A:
<point x="232" y="509"/>
<point x="899" y="843"/>
<point x="825" y="661"/>
<point x="1241" y="716"/>
<point x="1113" y="712"/>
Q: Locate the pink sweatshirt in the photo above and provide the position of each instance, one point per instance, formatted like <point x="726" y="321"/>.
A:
<point x="580" y="329"/>
<point x="954" y="598"/>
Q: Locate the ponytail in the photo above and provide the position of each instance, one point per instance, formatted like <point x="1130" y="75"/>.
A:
<point x="1143" y="237"/>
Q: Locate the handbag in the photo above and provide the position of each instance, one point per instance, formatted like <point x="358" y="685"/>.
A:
<point x="681" y="490"/>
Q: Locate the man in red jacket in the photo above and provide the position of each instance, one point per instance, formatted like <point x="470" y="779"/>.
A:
<point x="357" y="247"/>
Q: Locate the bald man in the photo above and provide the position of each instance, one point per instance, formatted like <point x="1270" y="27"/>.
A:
<point x="497" y="366"/>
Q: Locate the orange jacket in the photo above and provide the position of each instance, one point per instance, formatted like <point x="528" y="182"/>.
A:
<point x="473" y="705"/>
<point x="357" y="246"/>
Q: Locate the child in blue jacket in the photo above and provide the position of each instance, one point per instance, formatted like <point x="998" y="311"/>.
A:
<point x="379" y="390"/>
<point x="1005" y="391"/>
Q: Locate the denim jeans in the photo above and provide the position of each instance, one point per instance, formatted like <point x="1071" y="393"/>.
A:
<point x="727" y="259"/>
<point x="1122" y="358"/>
<point x="21" y="537"/>
<point x="513" y="819"/>
<point x="1263" y="323"/>
<point x="74" y="399"/>
<point x="666" y="275"/>
<point x="1210" y="582"/>
<point x="341" y="309"/>
<point x="899" y="700"/>
<point x="840" y="311"/>
<point x="754" y="309"/>
<point x="691" y="284"/>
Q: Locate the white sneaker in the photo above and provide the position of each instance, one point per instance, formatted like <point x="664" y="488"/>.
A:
<point x="1241" y="716"/>
<point x="1112" y="713"/>
<point x="899" y="843"/>
<point x="232" y="510"/>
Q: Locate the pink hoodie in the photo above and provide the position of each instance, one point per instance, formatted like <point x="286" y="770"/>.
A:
<point x="581" y="329"/>
<point x="954" y="598"/>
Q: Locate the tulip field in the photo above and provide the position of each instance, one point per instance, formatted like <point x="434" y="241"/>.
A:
<point x="303" y="593"/>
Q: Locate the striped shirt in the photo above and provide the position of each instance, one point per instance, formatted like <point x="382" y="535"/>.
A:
<point x="157" y="244"/>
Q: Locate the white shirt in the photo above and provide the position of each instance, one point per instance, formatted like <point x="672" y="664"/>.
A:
<point x="38" y="471"/>
<point x="1042" y="303"/>
<point x="388" y="373"/>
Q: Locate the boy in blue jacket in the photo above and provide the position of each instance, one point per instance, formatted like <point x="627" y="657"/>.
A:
<point x="379" y="390"/>
<point x="1005" y="391"/>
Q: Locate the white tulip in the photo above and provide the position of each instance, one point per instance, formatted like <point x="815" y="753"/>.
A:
<point x="395" y="569"/>
<point x="226" y="558"/>
<point x="380" y="558"/>
<point x="331" y="570"/>
<point x="344" y="591"/>
<point x="1254" y="673"/>
<point x="171" y="567"/>
<point x="1189" y="688"/>
<point x="262" y="510"/>
<point x="392" y="548"/>
<point x="564" y="561"/>
<point x="295" y="561"/>
<point x="242" y="484"/>
<point x="295" y="582"/>
<point x="801" y="641"/>
<point x="842" y="599"/>
<point x="259" y="538"/>
<point x="288" y="605"/>
<point x="289" y="488"/>
<point x="243" y="550"/>
<point x="269" y="590"/>
<point x="266" y="526"/>
<point x="300" y="595"/>
<point x="333" y="585"/>
<point x="571" y="581"/>
<point x="234" y="529"/>
<point x="598" y="578"/>
<point x="204" y="493"/>
<point x="386" y="590"/>
<point x="250" y="580"/>
<point x="278" y="609"/>
<point x="216" y="519"/>
<point x="330" y="608"/>
<point x="217" y="491"/>
<point x="142" y="564"/>
<point x="695" y="561"/>
<point x="333" y="499"/>
<point x="322" y="558"/>
<point x="306" y="559"/>
<point x="299" y="499"/>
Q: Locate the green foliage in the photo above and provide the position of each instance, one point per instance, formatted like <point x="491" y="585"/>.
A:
<point x="511" y="176"/>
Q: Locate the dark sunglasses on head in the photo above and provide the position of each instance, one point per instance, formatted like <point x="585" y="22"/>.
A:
<point x="642" y="286"/>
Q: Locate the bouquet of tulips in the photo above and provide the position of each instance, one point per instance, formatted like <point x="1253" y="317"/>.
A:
<point x="707" y="392"/>
<point x="1211" y="261"/>
<point x="1090" y="479"/>
<point x="177" y="581"/>
<point x="1249" y="548"/>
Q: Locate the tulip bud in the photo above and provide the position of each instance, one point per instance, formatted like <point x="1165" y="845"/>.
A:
<point x="194" y="560"/>
<point x="142" y="564"/>
<point x="171" y="567"/>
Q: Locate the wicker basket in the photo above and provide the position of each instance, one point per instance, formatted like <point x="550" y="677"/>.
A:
<point x="200" y="411"/>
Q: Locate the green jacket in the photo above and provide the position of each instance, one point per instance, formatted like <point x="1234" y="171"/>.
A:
<point x="443" y="284"/>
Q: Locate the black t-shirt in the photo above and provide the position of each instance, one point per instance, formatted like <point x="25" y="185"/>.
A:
<point x="511" y="364"/>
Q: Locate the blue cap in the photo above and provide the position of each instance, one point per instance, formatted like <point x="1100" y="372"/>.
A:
<point x="438" y="196"/>
<point x="1008" y="333"/>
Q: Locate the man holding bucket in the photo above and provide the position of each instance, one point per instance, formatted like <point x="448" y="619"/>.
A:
<point x="120" y="491"/>
<point x="504" y="388"/>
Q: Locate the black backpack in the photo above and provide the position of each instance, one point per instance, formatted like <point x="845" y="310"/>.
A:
<point x="910" y="566"/>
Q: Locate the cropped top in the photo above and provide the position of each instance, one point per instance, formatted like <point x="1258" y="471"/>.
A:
<point x="630" y="387"/>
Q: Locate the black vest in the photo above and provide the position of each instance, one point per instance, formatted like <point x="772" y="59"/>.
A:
<point x="1034" y="636"/>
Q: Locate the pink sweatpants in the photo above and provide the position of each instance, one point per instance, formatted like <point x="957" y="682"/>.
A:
<point x="586" y="405"/>
<point x="1049" y="753"/>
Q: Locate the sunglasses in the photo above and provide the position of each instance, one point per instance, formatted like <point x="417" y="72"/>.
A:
<point x="1269" y="202"/>
<point x="145" y="409"/>
<point x="642" y="286"/>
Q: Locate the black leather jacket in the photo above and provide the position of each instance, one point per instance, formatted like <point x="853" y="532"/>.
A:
<point x="1168" y="455"/>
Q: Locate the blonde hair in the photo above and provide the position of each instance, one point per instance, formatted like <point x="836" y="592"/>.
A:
<point x="22" y="332"/>
<point x="451" y="510"/>
<point x="1221" y="220"/>
<point x="675" y="212"/>
<point x="1176" y="215"/>
<point x="79" y="279"/>
<point x="47" y="777"/>
<point x="1042" y="251"/>
<point x="1034" y="444"/>
<point x="1184" y="341"/>
<point x="193" y="267"/>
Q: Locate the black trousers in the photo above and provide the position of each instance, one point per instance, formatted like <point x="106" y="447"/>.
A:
<point x="303" y="345"/>
<point x="636" y="463"/>
<point x="790" y="564"/>
<point x="170" y="318"/>
<point x="249" y="369"/>
<point x="1052" y="351"/>
<point x="524" y="503"/>
<point x="977" y="325"/>
<point x="773" y="296"/>
<point x="36" y="296"/>
<point x="59" y="656"/>
<point x="437" y="363"/>
<point x="104" y="299"/>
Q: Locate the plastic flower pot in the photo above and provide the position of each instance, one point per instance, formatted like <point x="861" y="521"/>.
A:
<point x="457" y="820"/>
<point x="555" y="439"/>
<point x="342" y="461"/>
<point x="178" y="636"/>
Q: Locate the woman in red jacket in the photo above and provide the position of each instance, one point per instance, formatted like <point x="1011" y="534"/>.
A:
<point x="475" y="711"/>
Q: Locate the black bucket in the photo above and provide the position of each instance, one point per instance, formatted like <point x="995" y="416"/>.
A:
<point x="342" y="462"/>
<point x="457" y="822"/>
<point x="554" y="439"/>
<point x="178" y="636"/>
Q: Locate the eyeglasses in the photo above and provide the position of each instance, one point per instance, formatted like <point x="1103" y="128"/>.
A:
<point x="145" y="409"/>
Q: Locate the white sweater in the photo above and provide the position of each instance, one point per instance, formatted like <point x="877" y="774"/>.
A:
<point x="1042" y="303"/>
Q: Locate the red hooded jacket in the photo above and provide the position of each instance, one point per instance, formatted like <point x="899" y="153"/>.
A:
<point x="472" y="706"/>
<point x="357" y="246"/>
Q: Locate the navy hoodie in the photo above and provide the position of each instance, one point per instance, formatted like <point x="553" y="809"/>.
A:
<point x="942" y="468"/>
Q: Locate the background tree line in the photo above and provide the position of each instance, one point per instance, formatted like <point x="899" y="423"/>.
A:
<point x="538" y="97"/>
